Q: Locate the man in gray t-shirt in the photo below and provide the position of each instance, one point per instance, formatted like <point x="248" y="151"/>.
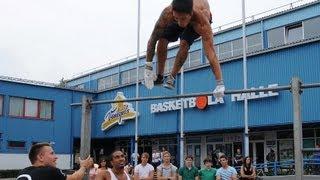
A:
<point x="166" y="170"/>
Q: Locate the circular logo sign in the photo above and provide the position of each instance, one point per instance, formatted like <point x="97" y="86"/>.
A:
<point x="201" y="102"/>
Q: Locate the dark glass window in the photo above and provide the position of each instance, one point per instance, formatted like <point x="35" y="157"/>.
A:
<point x="284" y="134"/>
<point x="193" y="140"/>
<point x="308" y="133"/>
<point x="214" y="138"/>
<point x="16" y="144"/>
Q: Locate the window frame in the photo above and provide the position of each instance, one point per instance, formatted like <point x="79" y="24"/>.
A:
<point x="283" y="36"/>
<point x="305" y="25"/>
<point x="225" y="54"/>
<point x="38" y="117"/>
<point x="290" y="27"/>
<point x="255" y="45"/>
<point x="108" y="82"/>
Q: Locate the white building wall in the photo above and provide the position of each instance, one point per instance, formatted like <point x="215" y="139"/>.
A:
<point x="20" y="161"/>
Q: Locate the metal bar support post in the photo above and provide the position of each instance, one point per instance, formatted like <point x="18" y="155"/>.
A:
<point x="297" y="127"/>
<point x="85" y="130"/>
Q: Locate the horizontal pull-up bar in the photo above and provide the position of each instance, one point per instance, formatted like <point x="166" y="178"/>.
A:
<point x="277" y="88"/>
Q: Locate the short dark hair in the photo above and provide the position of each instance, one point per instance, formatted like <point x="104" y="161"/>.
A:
<point x="35" y="150"/>
<point x="207" y="160"/>
<point x="188" y="157"/>
<point x="223" y="156"/>
<point x="183" y="6"/>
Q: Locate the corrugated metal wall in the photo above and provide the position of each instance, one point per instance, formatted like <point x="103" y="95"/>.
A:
<point x="276" y="67"/>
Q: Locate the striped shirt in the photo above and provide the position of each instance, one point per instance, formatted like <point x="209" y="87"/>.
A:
<point x="227" y="173"/>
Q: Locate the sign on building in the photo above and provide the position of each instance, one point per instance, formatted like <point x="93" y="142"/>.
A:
<point x="118" y="113"/>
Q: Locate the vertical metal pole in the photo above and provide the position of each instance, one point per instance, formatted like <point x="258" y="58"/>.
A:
<point x="182" y="119"/>
<point x="85" y="129"/>
<point x="297" y="127"/>
<point x="137" y="87"/>
<point x="245" y="83"/>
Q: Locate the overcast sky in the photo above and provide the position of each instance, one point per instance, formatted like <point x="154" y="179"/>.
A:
<point x="46" y="40"/>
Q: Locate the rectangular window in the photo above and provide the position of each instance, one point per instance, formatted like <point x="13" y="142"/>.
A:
<point x="169" y="65"/>
<point x="285" y="134"/>
<point x="133" y="75"/>
<point x="193" y="140"/>
<point x="217" y="138"/>
<point x="16" y="106"/>
<point x="286" y="150"/>
<point x="1" y="104"/>
<point x="294" y="33"/>
<point x="275" y="37"/>
<point x="102" y="83"/>
<point x="30" y="108"/>
<point x="254" y="43"/>
<point x="195" y="58"/>
<point x="46" y="109"/>
<point x="311" y="28"/>
<point x="130" y="76"/>
<point x="16" y="144"/>
<point x="308" y="133"/>
<point x="114" y="80"/>
<point x="108" y="82"/>
<point x="141" y="73"/>
<point x="318" y="132"/>
<point x="225" y="50"/>
<point x="125" y="77"/>
<point x="237" y="47"/>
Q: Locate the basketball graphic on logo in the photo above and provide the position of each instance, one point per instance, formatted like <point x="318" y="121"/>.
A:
<point x="201" y="102"/>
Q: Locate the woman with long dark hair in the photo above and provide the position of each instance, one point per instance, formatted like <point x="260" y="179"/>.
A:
<point x="247" y="172"/>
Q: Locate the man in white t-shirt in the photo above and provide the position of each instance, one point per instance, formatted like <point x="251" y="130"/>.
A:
<point x="144" y="170"/>
<point x="226" y="172"/>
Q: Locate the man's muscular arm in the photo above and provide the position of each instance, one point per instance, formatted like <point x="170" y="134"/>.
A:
<point x="103" y="175"/>
<point x="207" y="41"/>
<point x="158" y="29"/>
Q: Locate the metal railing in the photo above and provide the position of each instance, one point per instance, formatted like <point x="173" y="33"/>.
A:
<point x="283" y="168"/>
<point x="263" y="14"/>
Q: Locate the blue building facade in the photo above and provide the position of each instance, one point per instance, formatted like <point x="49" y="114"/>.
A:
<point x="279" y="46"/>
